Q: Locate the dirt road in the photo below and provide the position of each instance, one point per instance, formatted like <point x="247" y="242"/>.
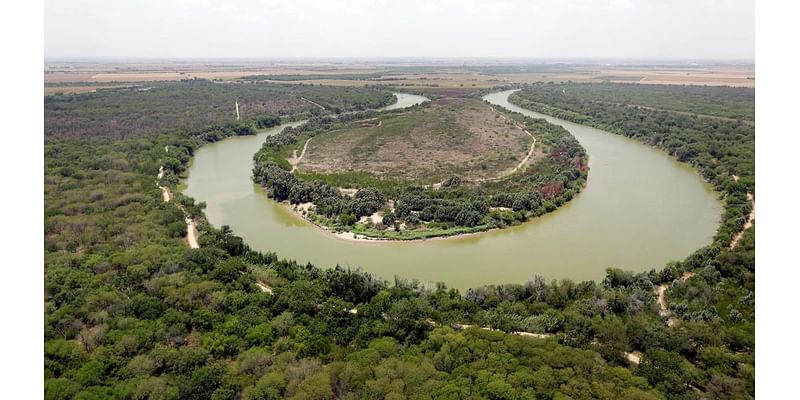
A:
<point x="314" y="103"/>
<point x="191" y="233"/>
<point x="749" y="223"/>
<point x="191" y="226"/>
<point x="521" y="163"/>
<point x="296" y="159"/>
<point x="264" y="287"/>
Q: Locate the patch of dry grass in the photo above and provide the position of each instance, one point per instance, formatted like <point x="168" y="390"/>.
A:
<point x="454" y="136"/>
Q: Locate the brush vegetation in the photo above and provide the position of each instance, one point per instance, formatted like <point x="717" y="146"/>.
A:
<point x="132" y="313"/>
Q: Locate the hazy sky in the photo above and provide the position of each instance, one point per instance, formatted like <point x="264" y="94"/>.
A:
<point x="683" y="29"/>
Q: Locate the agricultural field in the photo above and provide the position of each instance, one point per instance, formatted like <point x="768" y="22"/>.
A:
<point x="70" y="89"/>
<point x="452" y="136"/>
<point x="410" y="76"/>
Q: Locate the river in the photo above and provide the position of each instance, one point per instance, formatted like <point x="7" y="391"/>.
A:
<point x="639" y="210"/>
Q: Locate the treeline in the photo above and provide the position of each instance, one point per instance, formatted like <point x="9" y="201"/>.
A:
<point x="718" y="148"/>
<point x="195" y="105"/>
<point x="540" y="188"/>
<point x="719" y="101"/>
<point x="285" y="186"/>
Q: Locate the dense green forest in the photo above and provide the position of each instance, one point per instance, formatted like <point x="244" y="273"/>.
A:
<point x="132" y="313"/>
<point x="718" y="101"/>
<point x="423" y="211"/>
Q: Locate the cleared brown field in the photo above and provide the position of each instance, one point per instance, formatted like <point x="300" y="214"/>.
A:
<point x="144" y="76"/>
<point x="714" y="76"/>
<point x="710" y="78"/>
<point x="174" y="72"/>
<point x="447" y="77"/>
<point x="51" y="90"/>
<point x="454" y="136"/>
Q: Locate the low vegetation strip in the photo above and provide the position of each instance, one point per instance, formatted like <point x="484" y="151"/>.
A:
<point x="390" y="162"/>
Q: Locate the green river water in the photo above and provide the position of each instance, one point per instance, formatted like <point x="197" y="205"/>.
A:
<point x="639" y="210"/>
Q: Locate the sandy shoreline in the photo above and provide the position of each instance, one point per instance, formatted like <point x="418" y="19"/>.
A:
<point x="357" y="238"/>
<point x="191" y="225"/>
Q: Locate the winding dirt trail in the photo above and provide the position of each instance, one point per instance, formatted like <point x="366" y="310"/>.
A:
<point x="191" y="226"/>
<point x="165" y="193"/>
<point x="662" y="300"/>
<point x="296" y="159"/>
<point x="191" y="233"/>
<point x="437" y="186"/>
<point x="314" y="103"/>
<point x="264" y="287"/>
<point x="749" y="223"/>
<point x="521" y="163"/>
<point x="460" y="327"/>
<point x="661" y="291"/>
<point x="518" y="167"/>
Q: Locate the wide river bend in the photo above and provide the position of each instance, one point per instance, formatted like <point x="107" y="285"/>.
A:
<point x="639" y="210"/>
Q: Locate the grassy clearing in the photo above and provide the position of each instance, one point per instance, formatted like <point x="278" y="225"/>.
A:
<point x="461" y="137"/>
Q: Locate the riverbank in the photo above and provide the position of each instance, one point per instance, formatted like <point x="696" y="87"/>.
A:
<point x="704" y="164"/>
<point x="531" y="179"/>
<point x="355" y="237"/>
<point x="191" y="225"/>
<point x="664" y="208"/>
